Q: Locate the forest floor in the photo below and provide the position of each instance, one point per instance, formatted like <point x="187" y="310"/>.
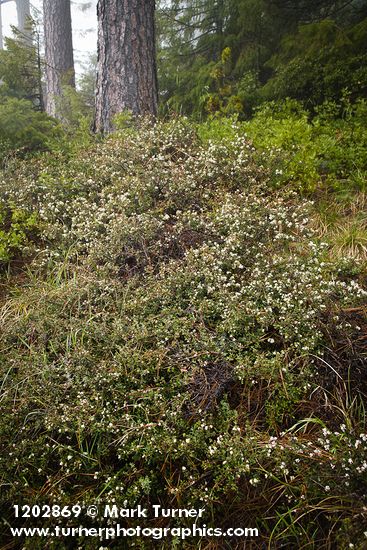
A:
<point x="183" y="323"/>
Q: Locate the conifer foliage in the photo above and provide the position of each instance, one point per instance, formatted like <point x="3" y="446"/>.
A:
<point x="229" y="56"/>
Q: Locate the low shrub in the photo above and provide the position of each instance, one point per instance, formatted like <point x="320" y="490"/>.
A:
<point x="17" y="229"/>
<point x="170" y="343"/>
<point x="326" y="150"/>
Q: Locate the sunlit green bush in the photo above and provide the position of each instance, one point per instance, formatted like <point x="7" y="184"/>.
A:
<point x="328" y="148"/>
<point x="17" y="228"/>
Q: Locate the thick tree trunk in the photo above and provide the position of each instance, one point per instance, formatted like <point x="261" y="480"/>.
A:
<point x="59" y="57"/>
<point x="126" y="69"/>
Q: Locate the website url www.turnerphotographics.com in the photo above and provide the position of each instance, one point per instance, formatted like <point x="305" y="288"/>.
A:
<point x="114" y="530"/>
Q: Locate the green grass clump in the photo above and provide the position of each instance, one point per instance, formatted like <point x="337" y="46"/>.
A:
<point x="181" y="337"/>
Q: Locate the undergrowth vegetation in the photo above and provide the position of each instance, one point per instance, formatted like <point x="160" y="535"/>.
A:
<point x="187" y="330"/>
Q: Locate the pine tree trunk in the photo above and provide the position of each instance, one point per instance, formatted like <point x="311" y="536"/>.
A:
<point x="126" y="70"/>
<point x="24" y="12"/>
<point x="59" y="57"/>
<point x="1" y="30"/>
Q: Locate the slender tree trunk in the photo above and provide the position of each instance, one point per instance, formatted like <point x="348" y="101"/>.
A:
<point x="220" y="25"/>
<point x="126" y="69"/>
<point x="59" y="57"/>
<point x="24" y="13"/>
<point x="39" y="73"/>
<point x="1" y="29"/>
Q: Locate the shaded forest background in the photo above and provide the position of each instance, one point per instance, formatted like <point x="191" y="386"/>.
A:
<point x="231" y="56"/>
<point x="226" y="57"/>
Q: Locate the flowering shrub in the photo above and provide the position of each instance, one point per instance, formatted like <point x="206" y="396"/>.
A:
<point x="171" y="345"/>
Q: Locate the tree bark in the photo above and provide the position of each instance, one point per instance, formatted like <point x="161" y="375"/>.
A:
<point x="24" y="13"/>
<point x="1" y="30"/>
<point x="59" y="56"/>
<point x="126" y="68"/>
